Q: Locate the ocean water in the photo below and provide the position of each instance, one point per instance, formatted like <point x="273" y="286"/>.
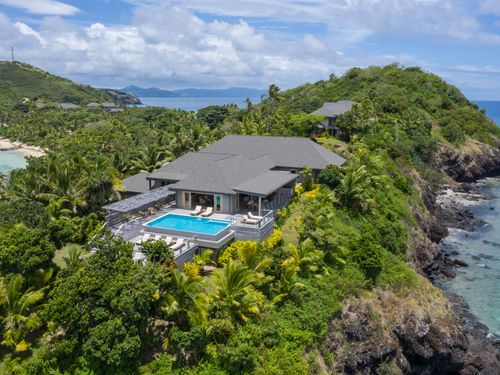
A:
<point x="10" y="160"/>
<point x="194" y="104"/>
<point x="479" y="283"/>
<point x="492" y="109"/>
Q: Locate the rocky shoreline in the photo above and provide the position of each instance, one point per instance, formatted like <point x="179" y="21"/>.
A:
<point x="452" y="209"/>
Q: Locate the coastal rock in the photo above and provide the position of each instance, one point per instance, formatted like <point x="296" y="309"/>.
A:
<point x="386" y="332"/>
<point x="460" y="263"/>
<point x="472" y="161"/>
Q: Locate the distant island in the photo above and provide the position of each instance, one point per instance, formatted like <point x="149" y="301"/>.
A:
<point x="231" y="92"/>
<point x="22" y="83"/>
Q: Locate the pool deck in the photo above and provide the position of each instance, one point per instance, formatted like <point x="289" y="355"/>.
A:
<point x="134" y="230"/>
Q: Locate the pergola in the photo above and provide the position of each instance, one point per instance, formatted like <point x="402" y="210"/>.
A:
<point x="137" y="203"/>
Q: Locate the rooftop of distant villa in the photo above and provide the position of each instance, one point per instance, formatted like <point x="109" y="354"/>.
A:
<point x="239" y="180"/>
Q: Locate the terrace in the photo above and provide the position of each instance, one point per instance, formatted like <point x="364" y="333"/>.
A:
<point x="134" y="229"/>
<point x="241" y="180"/>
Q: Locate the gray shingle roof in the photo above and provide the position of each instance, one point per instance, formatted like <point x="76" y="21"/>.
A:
<point x="235" y="160"/>
<point x="136" y="183"/>
<point x="68" y="106"/>
<point x="334" y="109"/>
<point x="266" y="183"/>
<point x="291" y="152"/>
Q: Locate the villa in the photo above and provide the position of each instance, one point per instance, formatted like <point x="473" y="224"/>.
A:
<point x="331" y="111"/>
<point x="228" y="191"/>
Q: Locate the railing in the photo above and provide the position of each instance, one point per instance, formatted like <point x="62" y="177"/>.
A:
<point x="188" y="245"/>
<point x="266" y="218"/>
<point x="98" y="233"/>
<point x="135" y="224"/>
<point x="283" y="199"/>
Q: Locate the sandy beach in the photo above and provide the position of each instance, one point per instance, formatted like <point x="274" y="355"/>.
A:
<point x="7" y="145"/>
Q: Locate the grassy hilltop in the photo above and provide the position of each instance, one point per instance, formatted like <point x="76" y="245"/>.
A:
<point x="19" y="81"/>
<point x="396" y="90"/>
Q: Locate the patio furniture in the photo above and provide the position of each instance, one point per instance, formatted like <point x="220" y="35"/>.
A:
<point x="178" y="244"/>
<point x="168" y="240"/>
<point x="196" y="211"/>
<point x="144" y="238"/>
<point x="255" y="217"/>
<point x="158" y="237"/>
<point x="247" y="220"/>
<point x="138" y="256"/>
<point x="208" y="212"/>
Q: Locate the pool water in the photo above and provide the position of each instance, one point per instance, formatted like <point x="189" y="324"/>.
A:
<point x="192" y="224"/>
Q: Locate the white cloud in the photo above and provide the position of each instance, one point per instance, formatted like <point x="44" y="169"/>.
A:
<point x="356" y="20"/>
<point x="490" y="6"/>
<point x="26" y="30"/>
<point x="478" y="69"/>
<point x="42" y="7"/>
<point x="169" y="44"/>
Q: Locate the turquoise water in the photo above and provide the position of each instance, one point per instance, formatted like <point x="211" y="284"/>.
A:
<point x="492" y="109"/>
<point x="479" y="283"/>
<point x="192" y="224"/>
<point x="194" y="104"/>
<point x="10" y="160"/>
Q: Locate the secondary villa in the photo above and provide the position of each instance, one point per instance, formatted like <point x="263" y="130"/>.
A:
<point x="331" y="111"/>
<point x="228" y="191"/>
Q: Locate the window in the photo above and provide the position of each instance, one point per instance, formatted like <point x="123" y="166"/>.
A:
<point x="217" y="203"/>
<point x="187" y="200"/>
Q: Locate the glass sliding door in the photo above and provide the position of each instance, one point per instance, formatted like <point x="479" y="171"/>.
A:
<point x="218" y="203"/>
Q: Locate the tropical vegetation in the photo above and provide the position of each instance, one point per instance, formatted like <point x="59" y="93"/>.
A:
<point x="260" y="308"/>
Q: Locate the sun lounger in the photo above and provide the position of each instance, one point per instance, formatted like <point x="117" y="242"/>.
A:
<point x="208" y="212"/>
<point x="138" y="256"/>
<point x="158" y="237"/>
<point x="254" y="217"/>
<point x="196" y="211"/>
<point x="168" y="240"/>
<point x="178" y="244"/>
<point x="247" y="220"/>
<point x="144" y="238"/>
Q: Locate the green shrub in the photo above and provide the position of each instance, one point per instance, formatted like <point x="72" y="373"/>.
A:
<point x="157" y="251"/>
<point x="368" y="255"/>
<point x="331" y="177"/>
<point x="238" y="359"/>
<point x="231" y="252"/>
<point x="453" y="133"/>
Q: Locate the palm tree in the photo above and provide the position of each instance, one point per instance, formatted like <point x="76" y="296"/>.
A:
<point x="254" y="259"/>
<point x="358" y="186"/>
<point x="19" y="312"/>
<point x="149" y="159"/>
<point x="287" y="283"/>
<point x="305" y="256"/>
<point x="186" y="298"/>
<point x="74" y="261"/>
<point x="273" y="98"/>
<point x="233" y="292"/>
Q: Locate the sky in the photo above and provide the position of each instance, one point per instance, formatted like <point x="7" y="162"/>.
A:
<point x="252" y="43"/>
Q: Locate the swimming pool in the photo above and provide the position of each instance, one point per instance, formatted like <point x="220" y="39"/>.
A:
<point x="191" y="224"/>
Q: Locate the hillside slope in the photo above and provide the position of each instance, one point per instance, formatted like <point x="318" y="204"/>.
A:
<point x="19" y="81"/>
<point x="395" y="90"/>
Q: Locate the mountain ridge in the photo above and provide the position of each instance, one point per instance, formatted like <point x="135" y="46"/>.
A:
<point x="20" y="81"/>
<point x="230" y="92"/>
